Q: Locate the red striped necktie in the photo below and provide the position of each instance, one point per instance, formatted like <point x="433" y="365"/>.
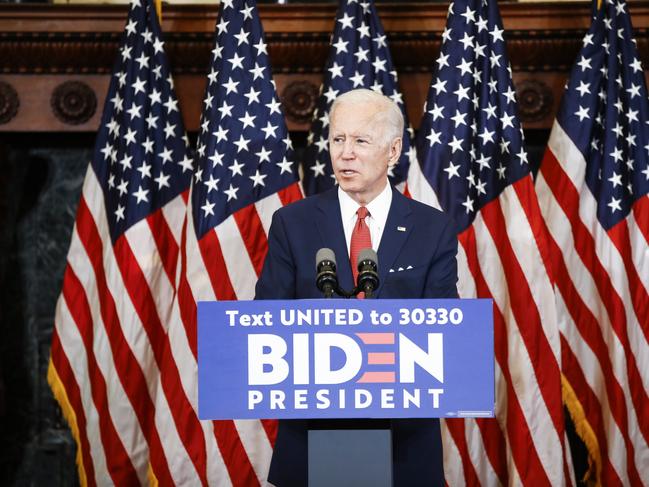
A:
<point x="361" y="240"/>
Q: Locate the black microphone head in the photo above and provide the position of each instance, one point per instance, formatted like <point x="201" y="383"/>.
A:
<point x="325" y="267"/>
<point x="368" y="255"/>
<point x="368" y="277"/>
<point x="325" y="254"/>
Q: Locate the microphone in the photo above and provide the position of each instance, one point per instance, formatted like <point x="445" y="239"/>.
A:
<point x="325" y="264"/>
<point x="368" y="276"/>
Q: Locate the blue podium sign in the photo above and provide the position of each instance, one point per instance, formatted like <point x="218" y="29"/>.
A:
<point x="345" y="358"/>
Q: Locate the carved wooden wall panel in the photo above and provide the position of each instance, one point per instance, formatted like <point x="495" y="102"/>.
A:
<point x="55" y="59"/>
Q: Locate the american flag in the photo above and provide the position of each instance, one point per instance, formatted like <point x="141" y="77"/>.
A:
<point x="592" y="187"/>
<point x="359" y="58"/>
<point x="473" y="165"/>
<point x="244" y="172"/>
<point x="111" y="318"/>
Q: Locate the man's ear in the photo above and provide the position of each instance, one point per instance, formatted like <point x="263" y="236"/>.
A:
<point x="395" y="151"/>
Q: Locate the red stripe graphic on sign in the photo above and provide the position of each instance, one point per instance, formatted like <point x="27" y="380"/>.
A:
<point x="376" y="338"/>
<point x="380" y="358"/>
<point x="377" y="377"/>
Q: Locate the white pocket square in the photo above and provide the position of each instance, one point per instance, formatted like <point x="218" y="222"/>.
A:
<point x="401" y="269"/>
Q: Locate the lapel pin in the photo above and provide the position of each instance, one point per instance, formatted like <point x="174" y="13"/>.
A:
<point x="401" y="229"/>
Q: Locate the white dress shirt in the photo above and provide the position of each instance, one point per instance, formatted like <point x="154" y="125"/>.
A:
<point x="378" y="208"/>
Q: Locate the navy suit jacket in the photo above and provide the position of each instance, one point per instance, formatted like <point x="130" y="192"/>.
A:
<point x="417" y="259"/>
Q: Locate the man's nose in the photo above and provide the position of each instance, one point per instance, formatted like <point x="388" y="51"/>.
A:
<point x="348" y="149"/>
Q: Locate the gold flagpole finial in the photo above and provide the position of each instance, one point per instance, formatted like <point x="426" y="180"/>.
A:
<point x="158" y="9"/>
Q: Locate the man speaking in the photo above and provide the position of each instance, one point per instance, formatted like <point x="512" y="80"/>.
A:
<point x="416" y="248"/>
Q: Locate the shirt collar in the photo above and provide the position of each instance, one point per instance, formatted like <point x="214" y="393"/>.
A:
<point x="379" y="207"/>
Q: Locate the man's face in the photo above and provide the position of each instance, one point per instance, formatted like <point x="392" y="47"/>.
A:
<point x="359" y="152"/>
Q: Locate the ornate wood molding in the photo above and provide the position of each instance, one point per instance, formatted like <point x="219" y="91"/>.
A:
<point x="299" y="99"/>
<point x="43" y="46"/>
<point x="535" y="99"/>
<point x="73" y="102"/>
<point x="9" y="102"/>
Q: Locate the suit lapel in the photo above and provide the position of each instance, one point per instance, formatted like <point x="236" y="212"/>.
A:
<point x="330" y="226"/>
<point x="397" y="229"/>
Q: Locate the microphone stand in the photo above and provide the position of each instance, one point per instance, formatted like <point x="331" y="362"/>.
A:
<point x="327" y="280"/>
<point x="365" y="285"/>
<point x="369" y="291"/>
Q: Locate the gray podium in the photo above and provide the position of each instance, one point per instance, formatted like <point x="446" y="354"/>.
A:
<point x="350" y="458"/>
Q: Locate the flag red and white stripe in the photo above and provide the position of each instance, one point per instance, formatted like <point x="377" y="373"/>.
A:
<point x="239" y="181"/>
<point x="592" y="186"/>
<point x="473" y="165"/>
<point x="602" y="280"/>
<point x="503" y="256"/>
<point x="111" y="318"/>
<point x="109" y="338"/>
<point x="223" y="265"/>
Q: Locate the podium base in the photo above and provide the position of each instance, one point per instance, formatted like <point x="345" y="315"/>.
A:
<point x="350" y="458"/>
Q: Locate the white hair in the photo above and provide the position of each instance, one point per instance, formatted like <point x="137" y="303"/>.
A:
<point x="388" y="114"/>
